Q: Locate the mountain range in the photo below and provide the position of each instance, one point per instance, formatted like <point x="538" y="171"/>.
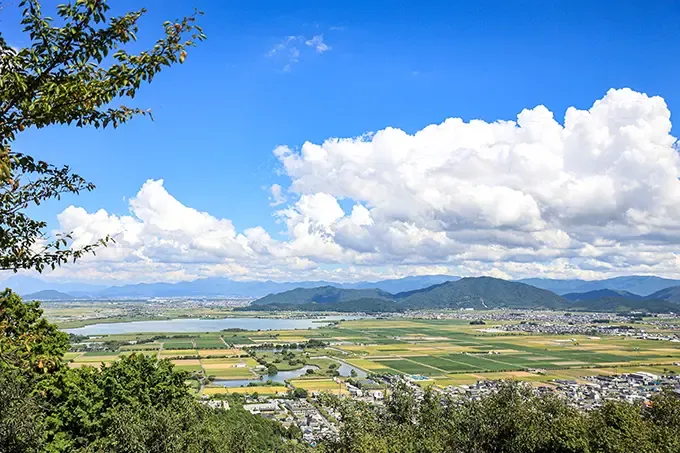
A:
<point x="471" y="293"/>
<point x="208" y="287"/>
<point x="642" y="285"/>
<point x="633" y="292"/>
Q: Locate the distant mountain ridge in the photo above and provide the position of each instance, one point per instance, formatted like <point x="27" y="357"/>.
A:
<point x="323" y="294"/>
<point x="641" y="285"/>
<point x="213" y="287"/>
<point x="671" y="294"/>
<point x="48" y="294"/>
<point x="471" y="292"/>
<point x="601" y="293"/>
<point x="626" y="287"/>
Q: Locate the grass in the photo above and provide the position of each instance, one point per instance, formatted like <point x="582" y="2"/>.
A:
<point x="227" y="368"/>
<point x="319" y="385"/>
<point x="210" y="343"/>
<point x="71" y="355"/>
<point x="187" y="365"/>
<point x="442" y="363"/>
<point x="141" y="347"/>
<point x="409" y="367"/>
<point x="262" y="390"/>
<point x="178" y="345"/>
<point x="100" y="354"/>
<point x="368" y="365"/>
<point x="220" y="352"/>
<point x="170" y="353"/>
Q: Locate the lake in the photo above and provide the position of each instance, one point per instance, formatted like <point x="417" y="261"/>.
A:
<point x="206" y="325"/>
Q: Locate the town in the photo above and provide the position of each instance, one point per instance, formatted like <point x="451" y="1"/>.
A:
<point x="318" y="422"/>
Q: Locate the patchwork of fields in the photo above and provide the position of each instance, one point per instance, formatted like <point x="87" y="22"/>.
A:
<point x="453" y="352"/>
<point x="447" y="352"/>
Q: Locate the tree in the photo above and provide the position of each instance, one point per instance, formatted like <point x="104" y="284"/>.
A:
<point x="22" y="421"/>
<point x="300" y="393"/>
<point x="27" y="341"/>
<point x="69" y="74"/>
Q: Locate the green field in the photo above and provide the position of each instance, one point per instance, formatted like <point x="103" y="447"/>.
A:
<point x="450" y="352"/>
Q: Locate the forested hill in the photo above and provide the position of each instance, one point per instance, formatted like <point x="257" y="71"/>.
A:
<point x="601" y="293"/>
<point x="482" y="293"/>
<point x="322" y="294"/>
<point x="472" y="292"/>
<point x="48" y="294"/>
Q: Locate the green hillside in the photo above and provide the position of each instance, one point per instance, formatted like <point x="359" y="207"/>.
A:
<point x="671" y="294"/>
<point x="322" y="295"/>
<point x="479" y="293"/>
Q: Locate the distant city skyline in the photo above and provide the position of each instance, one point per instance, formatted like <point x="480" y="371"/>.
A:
<point x="371" y="142"/>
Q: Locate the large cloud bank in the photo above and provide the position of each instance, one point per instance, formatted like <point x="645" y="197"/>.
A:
<point x="597" y="195"/>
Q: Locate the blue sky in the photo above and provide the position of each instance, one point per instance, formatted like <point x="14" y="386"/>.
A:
<point x="406" y="65"/>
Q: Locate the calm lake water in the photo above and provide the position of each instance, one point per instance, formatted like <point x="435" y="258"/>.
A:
<point x="205" y="325"/>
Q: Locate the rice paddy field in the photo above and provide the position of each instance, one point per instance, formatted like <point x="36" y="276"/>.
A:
<point x="320" y="385"/>
<point x="446" y="352"/>
<point x="262" y="390"/>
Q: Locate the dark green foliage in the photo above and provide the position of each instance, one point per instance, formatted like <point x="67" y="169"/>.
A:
<point x="21" y="417"/>
<point x="510" y="421"/>
<point x="27" y="341"/>
<point x="186" y="426"/>
<point x="300" y="393"/>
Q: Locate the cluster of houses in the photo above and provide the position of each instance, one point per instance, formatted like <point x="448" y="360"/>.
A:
<point x="299" y="412"/>
<point x="621" y="330"/>
<point x="318" y="422"/>
<point x="589" y="392"/>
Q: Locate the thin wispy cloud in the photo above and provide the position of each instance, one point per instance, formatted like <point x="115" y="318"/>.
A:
<point x="283" y="45"/>
<point x="291" y="48"/>
<point x="317" y="43"/>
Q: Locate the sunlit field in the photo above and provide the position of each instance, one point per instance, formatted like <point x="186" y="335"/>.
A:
<point x="447" y="352"/>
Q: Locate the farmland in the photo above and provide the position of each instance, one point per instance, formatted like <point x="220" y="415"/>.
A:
<point x="446" y="352"/>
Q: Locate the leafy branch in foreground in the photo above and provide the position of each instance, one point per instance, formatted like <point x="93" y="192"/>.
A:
<point x="70" y="74"/>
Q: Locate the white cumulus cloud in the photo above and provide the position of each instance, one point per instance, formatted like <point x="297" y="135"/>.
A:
<point x="594" y="195"/>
